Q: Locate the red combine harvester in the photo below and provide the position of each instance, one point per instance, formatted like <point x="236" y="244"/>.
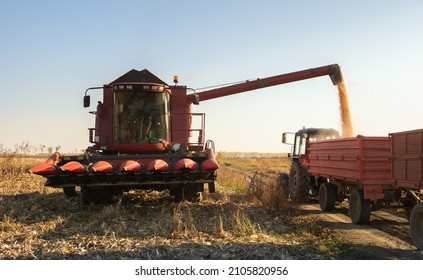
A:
<point x="370" y="172"/>
<point x="144" y="138"/>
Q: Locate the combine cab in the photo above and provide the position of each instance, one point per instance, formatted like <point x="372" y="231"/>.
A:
<point x="147" y="137"/>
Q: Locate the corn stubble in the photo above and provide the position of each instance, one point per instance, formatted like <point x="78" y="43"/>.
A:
<point x="41" y="223"/>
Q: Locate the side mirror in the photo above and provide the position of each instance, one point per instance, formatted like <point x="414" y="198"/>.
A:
<point x="86" y="101"/>
<point x="196" y="99"/>
<point x="284" y="137"/>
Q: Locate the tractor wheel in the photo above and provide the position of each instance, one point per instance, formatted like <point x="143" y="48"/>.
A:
<point x="416" y="225"/>
<point x="327" y="197"/>
<point x="70" y="191"/>
<point x="299" y="183"/>
<point x="359" y="207"/>
<point x="283" y="184"/>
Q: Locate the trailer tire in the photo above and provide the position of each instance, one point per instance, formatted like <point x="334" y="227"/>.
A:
<point x="327" y="197"/>
<point x="299" y="183"/>
<point x="359" y="207"/>
<point x="416" y="225"/>
<point x="283" y="184"/>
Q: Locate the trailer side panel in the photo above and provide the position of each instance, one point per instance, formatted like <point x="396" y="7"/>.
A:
<point x="407" y="158"/>
<point x="362" y="161"/>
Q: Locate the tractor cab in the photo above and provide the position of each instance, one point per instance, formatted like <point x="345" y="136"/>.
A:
<point x="305" y="135"/>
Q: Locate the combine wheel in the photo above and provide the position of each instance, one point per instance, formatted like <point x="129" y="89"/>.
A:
<point x="327" y="197"/>
<point x="101" y="195"/>
<point x="191" y="193"/>
<point x="70" y="191"/>
<point x="178" y="196"/>
<point x="416" y="225"/>
<point x="176" y="192"/>
<point x="299" y="183"/>
<point x="359" y="207"/>
<point x="283" y="184"/>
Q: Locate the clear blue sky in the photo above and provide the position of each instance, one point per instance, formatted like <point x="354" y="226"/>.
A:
<point x="51" y="51"/>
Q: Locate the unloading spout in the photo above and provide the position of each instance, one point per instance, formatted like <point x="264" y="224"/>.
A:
<point x="332" y="70"/>
<point x="335" y="74"/>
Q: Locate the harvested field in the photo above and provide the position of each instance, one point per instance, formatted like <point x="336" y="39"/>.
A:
<point x="247" y="218"/>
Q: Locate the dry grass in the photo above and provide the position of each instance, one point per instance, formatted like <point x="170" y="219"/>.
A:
<point x="41" y="223"/>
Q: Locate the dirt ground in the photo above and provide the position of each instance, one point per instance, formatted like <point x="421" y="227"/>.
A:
<point x="386" y="237"/>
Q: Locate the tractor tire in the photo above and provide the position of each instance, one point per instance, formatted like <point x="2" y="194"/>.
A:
<point x="70" y="191"/>
<point x="416" y="225"/>
<point x="282" y="183"/>
<point x="299" y="183"/>
<point x="359" y="207"/>
<point x="327" y="197"/>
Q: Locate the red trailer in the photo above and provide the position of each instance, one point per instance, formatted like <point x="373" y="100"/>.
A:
<point x="407" y="173"/>
<point x="370" y="172"/>
<point x="356" y="161"/>
<point x="407" y="161"/>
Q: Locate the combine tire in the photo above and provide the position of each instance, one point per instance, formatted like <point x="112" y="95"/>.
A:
<point x="327" y="197"/>
<point x="101" y="195"/>
<point x="359" y="207"/>
<point x="416" y="225"/>
<point x="193" y="196"/>
<point x="70" y="191"/>
<point x="191" y="193"/>
<point x="283" y="184"/>
<point x="299" y="183"/>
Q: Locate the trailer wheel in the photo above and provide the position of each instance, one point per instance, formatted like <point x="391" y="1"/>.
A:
<point x="359" y="207"/>
<point x="327" y="197"/>
<point x="416" y="225"/>
<point x="283" y="184"/>
<point x="70" y="191"/>
<point x="299" y="183"/>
